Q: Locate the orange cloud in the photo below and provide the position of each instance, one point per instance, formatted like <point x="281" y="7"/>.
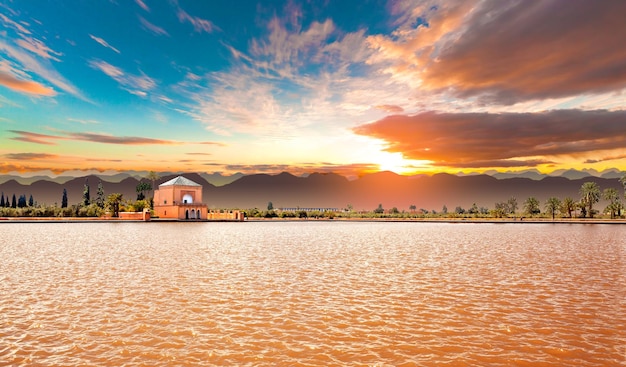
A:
<point x="498" y="140"/>
<point x="516" y="51"/>
<point x="25" y="86"/>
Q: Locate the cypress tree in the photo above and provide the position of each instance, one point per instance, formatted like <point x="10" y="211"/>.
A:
<point x="100" y="195"/>
<point x="86" y="197"/>
<point x="64" y="199"/>
<point x="21" y="202"/>
<point x="2" y="200"/>
<point x="31" y="202"/>
<point x="13" y="202"/>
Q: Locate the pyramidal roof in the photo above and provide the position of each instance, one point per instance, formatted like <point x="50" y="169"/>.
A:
<point x="180" y="181"/>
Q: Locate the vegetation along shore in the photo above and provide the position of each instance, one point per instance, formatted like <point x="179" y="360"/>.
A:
<point x="108" y="206"/>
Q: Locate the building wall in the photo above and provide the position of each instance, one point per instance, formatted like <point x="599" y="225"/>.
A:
<point x="216" y="214"/>
<point x="168" y="202"/>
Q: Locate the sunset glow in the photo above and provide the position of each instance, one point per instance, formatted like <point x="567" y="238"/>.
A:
<point x="410" y="86"/>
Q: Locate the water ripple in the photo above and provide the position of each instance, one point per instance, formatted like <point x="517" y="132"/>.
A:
<point x="312" y="294"/>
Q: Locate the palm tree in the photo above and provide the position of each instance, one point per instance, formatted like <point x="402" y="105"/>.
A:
<point x="142" y="186"/>
<point x="531" y="206"/>
<point x="589" y="195"/>
<point x="512" y="204"/>
<point x="113" y="202"/>
<point x="153" y="176"/>
<point x="552" y="205"/>
<point x="568" y="206"/>
<point x="612" y="196"/>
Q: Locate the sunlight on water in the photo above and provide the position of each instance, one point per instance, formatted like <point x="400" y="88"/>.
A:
<point x="312" y="294"/>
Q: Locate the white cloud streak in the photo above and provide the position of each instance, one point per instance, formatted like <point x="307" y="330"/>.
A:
<point x="138" y="85"/>
<point x="104" y="43"/>
<point x="152" y="28"/>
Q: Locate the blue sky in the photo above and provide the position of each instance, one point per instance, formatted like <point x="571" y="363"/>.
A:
<point x="343" y="86"/>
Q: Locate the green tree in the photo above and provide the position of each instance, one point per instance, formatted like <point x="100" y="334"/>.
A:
<point x="31" y="202"/>
<point x="612" y="196"/>
<point x="2" y="200"/>
<point x="64" y="199"/>
<point x="100" y="199"/>
<point x="153" y="177"/>
<point x="552" y="206"/>
<point x="141" y="188"/>
<point x="86" y="196"/>
<point x="412" y="208"/>
<point x="444" y="209"/>
<point x="512" y="205"/>
<point x="568" y="206"/>
<point x="270" y="206"/>
<point x="394" y="210"/>
<point x="531" y="206"/>
<point x="13" y="202"/>
<point x="500" y="210"/>
<point x="589" y="195"/>
<point x="473" y="209"/>
<point x="113" y="202"/>
<point x="21" y="202"/>
<point x="380" y="209"/>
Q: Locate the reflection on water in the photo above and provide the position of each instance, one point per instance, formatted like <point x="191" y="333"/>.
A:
<point x="312" y="294"/>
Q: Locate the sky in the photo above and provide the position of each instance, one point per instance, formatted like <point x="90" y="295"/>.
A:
<point x="350" y="86"/>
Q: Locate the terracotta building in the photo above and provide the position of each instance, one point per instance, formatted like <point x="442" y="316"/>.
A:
<point x="179" y="198"/>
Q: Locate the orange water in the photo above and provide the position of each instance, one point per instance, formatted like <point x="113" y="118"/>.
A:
<point x="312" y="294"/>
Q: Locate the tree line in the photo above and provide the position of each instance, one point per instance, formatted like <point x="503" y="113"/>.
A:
<point x="114" y="203"/>
<point x="89" y="206"/>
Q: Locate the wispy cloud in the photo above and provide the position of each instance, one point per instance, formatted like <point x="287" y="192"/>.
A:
<point x="142" y="5"/>
<point x="199" y="24"/>
<point x="476" y="139"/>
<point x="102" y="138"/>
<point x="136" y="84"/>
<point x="83" y="121"/>
<point x="152" y="28"/>
<point x="25" y="86"/>
<point x="8" y="23"/>
<point x="43" y="69"/>
<point x="104" y="43"/>
<point x="39" y="48"/>
<point x="35" y="138"/>
<point x="29" y="156"/>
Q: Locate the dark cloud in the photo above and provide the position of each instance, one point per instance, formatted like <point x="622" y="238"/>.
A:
<point x="517" y="50"/>
<point x="35" y="138"/>
<point x="465" y="139"/>
<point x="30" y="137"/>
<point x="122" y="140"/>
<point x="29" y="156"/>
<point x="604" y="159"/>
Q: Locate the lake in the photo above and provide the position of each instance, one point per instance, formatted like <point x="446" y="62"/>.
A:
<point x="312" y="294"/>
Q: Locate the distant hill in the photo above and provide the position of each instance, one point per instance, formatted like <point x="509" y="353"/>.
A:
<point x="333" y="190"/>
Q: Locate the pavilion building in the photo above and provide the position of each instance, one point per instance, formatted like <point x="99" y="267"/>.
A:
<point x="179" y="198"/>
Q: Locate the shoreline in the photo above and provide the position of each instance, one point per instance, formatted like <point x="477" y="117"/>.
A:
<point x="265" y="220"/>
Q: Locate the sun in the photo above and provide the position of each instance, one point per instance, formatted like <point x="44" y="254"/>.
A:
<point x="395" y="162"/>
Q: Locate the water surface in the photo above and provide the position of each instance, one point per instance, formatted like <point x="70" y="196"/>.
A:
<point x="312" y="294"/>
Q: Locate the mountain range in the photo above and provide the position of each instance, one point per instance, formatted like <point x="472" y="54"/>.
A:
<point x="319" y="190"/>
